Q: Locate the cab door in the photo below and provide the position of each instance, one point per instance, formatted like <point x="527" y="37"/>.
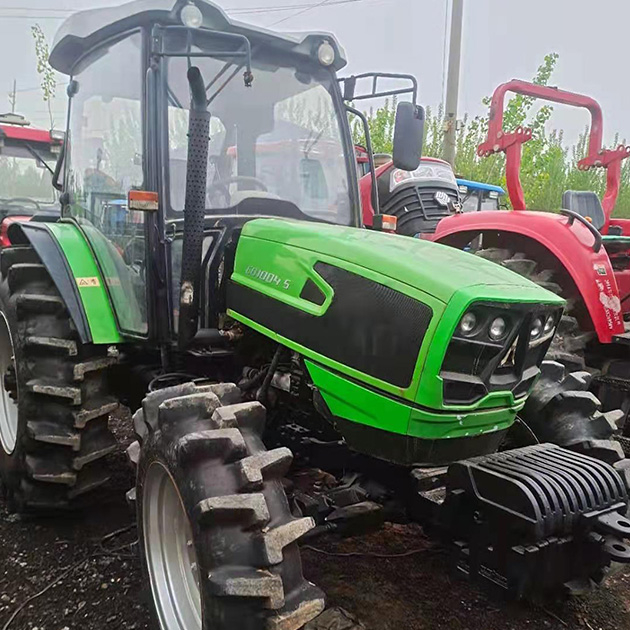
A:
<point x="104" y="161"/>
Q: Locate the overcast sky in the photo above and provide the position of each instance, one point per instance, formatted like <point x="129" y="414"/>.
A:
<point x="503" y="39"/>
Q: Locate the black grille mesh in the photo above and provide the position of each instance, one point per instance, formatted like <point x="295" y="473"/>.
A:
<point x="369" y="326"/>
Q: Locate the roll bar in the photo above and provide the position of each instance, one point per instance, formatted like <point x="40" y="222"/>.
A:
<point x="511" y="142"/>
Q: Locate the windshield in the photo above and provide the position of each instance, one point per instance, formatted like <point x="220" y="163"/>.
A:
<point x="24" y="180"/>
<point x="279" y="139"/>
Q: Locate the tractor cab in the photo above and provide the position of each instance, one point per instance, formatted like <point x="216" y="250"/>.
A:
<point x="221" y="122"/>
<point x="27" y="162"/>
<point x="477" y="196"/>
<point x="419" y="199"/>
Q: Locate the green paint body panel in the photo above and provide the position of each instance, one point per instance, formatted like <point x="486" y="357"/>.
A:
<point x="446" y="279"/>
<point x="350" y="400"/>
<point x="94" y="297"/>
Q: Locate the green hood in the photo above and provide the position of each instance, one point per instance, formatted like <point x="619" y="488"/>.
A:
<point x="438" y="270"/>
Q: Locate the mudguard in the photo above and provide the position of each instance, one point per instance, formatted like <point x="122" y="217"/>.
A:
<point x="69" y="260"/>
<point x="570" y="245"/>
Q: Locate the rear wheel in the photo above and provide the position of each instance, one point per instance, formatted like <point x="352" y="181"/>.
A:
<point x="218" y="541"/>
<point x="54" y="407"/>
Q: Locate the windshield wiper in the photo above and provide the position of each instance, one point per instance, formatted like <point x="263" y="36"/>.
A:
<point x="315" y="140"/>
<point x="38" y="157"/>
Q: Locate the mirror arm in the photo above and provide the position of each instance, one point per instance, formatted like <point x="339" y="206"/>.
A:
<point x="368" y="146"/>
<point x="57" y="185"/>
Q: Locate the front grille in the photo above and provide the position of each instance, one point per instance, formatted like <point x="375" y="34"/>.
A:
<point x="473" y="368"/>
<point x="417" y="208"/>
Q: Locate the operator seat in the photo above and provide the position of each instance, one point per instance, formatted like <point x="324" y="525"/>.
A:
<point x="588" y="205"/>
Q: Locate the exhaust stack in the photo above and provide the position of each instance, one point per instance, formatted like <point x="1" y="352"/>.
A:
<point x="194" y="207"/>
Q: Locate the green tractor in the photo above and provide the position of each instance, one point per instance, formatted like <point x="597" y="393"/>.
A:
<point x="210" y="271"/>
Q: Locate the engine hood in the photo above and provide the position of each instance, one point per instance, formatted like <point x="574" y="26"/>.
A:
<point x="439" y="270"/>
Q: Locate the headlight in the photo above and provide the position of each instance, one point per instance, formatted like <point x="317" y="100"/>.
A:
<point x="550" y="324"/>
<point x="497" y="329"/>
<point x="326" y="54"/>
<point x="191" y="16"/>
<point x="398" y="177"/>
<point x="468" y="323"/>
<point x="56" y="135"/>
<point x="537" y="329"/>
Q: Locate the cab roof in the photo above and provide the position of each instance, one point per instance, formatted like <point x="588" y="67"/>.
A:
<point x="86" y="30"/>
<point x="480" y="186"/>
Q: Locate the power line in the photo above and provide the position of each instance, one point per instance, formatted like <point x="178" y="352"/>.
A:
<point x="33" y="17"/>
<point x="253" y="10"/>
<point x="286" y="7"/>
<point x="302" y="12"/>
<point x="37" y="9"/>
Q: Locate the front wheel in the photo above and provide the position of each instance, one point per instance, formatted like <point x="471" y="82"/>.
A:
<point x="561" y="410"/>
<point x="218" y="541"/>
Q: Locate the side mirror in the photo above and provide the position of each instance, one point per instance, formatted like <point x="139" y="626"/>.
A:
<point x="408" y="136"/>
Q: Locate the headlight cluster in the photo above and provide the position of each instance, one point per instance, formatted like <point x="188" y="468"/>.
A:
<point x="543" y="327"/>
<point x="485" y="325"/>
<point x="497" y="347"/>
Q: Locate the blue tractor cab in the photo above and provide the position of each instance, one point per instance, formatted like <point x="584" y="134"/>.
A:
<point x="476" y="196"/>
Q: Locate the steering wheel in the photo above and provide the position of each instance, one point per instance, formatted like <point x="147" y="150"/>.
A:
<point x="16" y="200"/>
<point x="222" y="185"/>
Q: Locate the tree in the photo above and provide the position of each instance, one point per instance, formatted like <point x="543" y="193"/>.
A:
<point x="44" y="69"/>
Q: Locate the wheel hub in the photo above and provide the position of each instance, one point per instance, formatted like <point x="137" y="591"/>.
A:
<point x="170" y="553"/>
<point x="9" y="390"/>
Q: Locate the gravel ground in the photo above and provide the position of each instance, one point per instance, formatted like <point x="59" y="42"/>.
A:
<point x="72" y="573"/>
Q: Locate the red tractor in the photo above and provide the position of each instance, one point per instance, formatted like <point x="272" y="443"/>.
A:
<point x="418" y="199"/>
<point x="582" y="253"/>
<point x="28" y="157"/>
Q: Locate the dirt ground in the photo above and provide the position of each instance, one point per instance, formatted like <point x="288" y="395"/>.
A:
<point x="72" y="573"/>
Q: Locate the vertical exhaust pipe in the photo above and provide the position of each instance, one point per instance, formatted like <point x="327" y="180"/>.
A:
<point x="194" y="207"/>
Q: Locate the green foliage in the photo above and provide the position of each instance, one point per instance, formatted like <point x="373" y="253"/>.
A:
<point x="47" y="74"/>
<point x="548" y="168"/>
<point x="381" y="124"/>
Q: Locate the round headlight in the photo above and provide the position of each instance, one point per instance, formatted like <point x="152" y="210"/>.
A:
<point x="536" y="329"/>
<point x="498" y="328"/>
<point x="550" y="324"/>
<point x="468" y="323"/>
<point x="191" y="16"/>
<point x="326" y="54"/>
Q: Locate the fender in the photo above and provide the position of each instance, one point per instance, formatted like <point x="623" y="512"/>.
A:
<point x="571" y="245"/>
<point x="69" y="260"/>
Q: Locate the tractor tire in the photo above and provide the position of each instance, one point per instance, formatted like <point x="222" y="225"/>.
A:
<point x="561" y="410"/>
<point x="217" y="539"/>
<point x="54" y="407"/>
<point x="570" y="341"/>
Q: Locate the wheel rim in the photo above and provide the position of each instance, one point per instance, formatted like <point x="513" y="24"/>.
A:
<point x="8" y="389"/>
<point x="170" y="553"/>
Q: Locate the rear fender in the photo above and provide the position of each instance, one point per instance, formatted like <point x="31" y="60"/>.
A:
<point x="69" y="260"/>
<point x="549" y="236"/>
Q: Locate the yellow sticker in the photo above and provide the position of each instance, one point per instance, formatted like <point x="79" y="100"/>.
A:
<point x="88" y="282"/>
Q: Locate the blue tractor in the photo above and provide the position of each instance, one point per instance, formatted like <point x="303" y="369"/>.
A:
<point x="477" y="196"/>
